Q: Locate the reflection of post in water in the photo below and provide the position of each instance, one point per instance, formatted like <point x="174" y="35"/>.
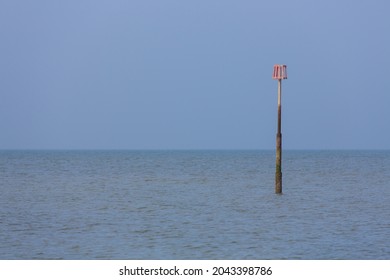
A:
<point x="280" y="73"/>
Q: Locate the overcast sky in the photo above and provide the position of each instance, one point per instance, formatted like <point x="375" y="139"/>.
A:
<point x="177" y="74"/>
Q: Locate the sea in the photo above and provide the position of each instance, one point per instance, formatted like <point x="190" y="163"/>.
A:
<point x="196" y="204"/>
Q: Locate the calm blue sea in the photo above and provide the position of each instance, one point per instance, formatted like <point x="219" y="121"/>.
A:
<point x="194" y="205"/>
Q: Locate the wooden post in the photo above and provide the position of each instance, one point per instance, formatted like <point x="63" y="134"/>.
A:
<point x="278" y="171"/>
<point x="280" y="73"/>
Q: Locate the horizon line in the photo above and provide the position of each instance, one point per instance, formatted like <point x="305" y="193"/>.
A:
<point x="193" y="149"/>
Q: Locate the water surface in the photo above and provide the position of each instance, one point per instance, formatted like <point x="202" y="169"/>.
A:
<point x="194" y="205"/>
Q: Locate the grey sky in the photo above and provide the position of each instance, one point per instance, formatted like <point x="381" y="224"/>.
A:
<point x="178" y="74"/>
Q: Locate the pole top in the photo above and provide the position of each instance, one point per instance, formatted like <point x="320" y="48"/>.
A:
<point x="280" y="72"/>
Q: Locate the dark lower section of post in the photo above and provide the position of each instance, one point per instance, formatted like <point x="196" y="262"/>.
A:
<point x="278" y="171"/>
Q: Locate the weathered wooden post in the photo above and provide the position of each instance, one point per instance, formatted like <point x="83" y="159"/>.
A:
<point x="280" y="73"/>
